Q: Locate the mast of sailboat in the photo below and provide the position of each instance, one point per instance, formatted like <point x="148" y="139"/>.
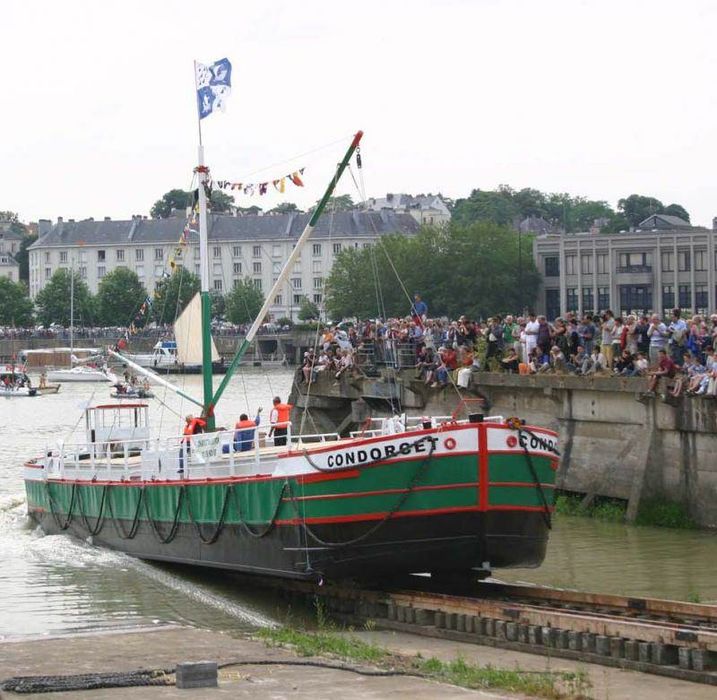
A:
<point x="72" y="309"/>
<point x="209" y="406"/>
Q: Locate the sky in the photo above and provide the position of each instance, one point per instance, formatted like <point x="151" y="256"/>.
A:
<point x="596" y="98"/>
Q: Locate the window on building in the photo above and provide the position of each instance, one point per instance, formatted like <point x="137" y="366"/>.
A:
<point x="588" y="299"/>
<point x="700" y="260"/>
<point x="120" y="254"/>
<point x="256" y="267"/>
<point x="586" y="264"/>
<point x="139" y="254"/>
<point x="634" y="262"/>
<point x="101" y="271"/>
<point x="278" y="300"/>
<point x="318" y="298"/>
<point x="701" y="300"/>
<point x="237" y="268"/>
<point x="570" y="264"/>
<point x="83" y="272"/>
<point x="63" y="256"/>
<point x="257" y="284"/>
<point x="297" y="266"/>
<point x="83" y="256"/>
<point x="337" y="248"/>
<point x="256" y="251"/>
<point x="366" y="245"/>
<point x="316" y="249"/>
<point x="603" y="264"/>
<point x="316" y="266"/>
<point x="217" y="268"/>
<point x="276" y="250"/>
<point x="48" y="273"/>
<point x="197" y="269"/>
<point x="356" y="244"/>
<point x="683" y="261"/>
<point x="603" y="298"/>
<point x="276" y="268"/>
<point x="139" y="269"/>
<point x="552" y="266"/>
<point x="668" y="261"/>
<point x="100" y="256"/>
<point x="684" y="300"/>
<point x="236" y="251"/>
<point x="298" y="299"/>
<point x="318" y="282"/>
<point x="296" y="282"/>
<point x="572" y="298"/>
<point x="668" y="296"/>
<point x="635" y="298"/>
<point x="217" y="251"/>
<point x="217" y="285"/>
<point x="159" y="253"/>
<point x="47" y="256"/>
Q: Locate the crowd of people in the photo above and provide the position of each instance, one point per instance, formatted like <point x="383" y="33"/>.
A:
<point x="681" y="350"/>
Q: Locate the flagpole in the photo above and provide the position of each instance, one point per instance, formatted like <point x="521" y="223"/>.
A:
<point x="199" y="119"/>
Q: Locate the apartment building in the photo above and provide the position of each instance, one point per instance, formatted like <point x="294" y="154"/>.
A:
<point x="663" y="263"/>
<point x="427" y="209"/>
<point x="240" y="247"/>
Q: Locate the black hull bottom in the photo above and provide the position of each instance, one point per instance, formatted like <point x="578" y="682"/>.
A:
<point x="456" y="542"/>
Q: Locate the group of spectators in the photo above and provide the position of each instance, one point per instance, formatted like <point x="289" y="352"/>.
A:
<point x="682" y="350"/>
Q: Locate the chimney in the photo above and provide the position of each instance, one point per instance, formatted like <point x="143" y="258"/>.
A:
<point x="59" y="219"/>
<point x="108" y="218"/>
<point x="43" y="226"/>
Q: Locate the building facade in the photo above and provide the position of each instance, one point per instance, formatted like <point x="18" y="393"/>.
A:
<point x="254" y="247"/>
<point x="664" y="263"/>
<point x="428" y="210"/>
<point x="10" y="242"/>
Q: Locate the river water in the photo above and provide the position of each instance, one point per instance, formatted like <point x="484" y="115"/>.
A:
<point x="56" y="584"/>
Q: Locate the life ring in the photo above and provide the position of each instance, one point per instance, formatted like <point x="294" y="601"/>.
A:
<point x="449" y="443"/>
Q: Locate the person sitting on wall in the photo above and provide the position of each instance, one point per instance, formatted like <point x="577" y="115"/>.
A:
<point x="665" y="368"/>
<point x="511" y="361"/>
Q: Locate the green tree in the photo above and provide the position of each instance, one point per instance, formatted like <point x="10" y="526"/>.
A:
<point x="482" y="205"/>
<point x="341" y="203"/>
<point x="253" y="209"/>
<point x="677" y="210"/>
<point x="23" y="256"/>
<point x="308" y="310"/>
<point x="11" y="216"/>
<point x="174" y="199"/>
<point x="244" y="302"/>
<point x="219" y="305"/>
<point x="285" y="208"/>
<point x="173" y="293"/>
<point x="458" y="270"/>
<point x="53" y="301"/>
<point x="637" y="208"/>
<point x="221" y="202"/>
<point x="16" y="308"/>
<point x="119" y="296"/>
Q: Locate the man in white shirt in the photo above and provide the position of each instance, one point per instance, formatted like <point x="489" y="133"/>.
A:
<point x="531" y="335"/>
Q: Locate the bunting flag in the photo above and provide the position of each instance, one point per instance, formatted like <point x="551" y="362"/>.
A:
<point x="249" y="188"/>
<point x="135" y="324"/>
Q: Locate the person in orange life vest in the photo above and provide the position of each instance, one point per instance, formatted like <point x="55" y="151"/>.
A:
<point x="245" y="429"/>
<point x="192" y="426"/>
<point x="280" y="419"/>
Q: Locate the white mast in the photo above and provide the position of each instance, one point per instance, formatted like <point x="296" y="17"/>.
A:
<point x="72" y="309"/>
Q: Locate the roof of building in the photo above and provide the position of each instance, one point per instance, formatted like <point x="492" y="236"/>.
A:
<point x="222" y="227"/>
<point x="404" y="202"/>
<point x="665" y="221"/>
<point x="10" y="235"/>
<point x="6" y="260"/>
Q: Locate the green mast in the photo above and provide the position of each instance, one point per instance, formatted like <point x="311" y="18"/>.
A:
<point x="209" y="408"/>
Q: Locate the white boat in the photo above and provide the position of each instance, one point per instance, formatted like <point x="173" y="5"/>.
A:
<point x="162" y="357"/>
<point x="14" y="383"/>
<point x="80" y="373"/>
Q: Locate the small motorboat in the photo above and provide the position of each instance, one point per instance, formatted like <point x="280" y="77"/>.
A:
<point x="14" y="383"/>
<point x="130" y="391"/>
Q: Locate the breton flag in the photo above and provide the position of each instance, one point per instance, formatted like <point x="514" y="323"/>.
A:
<point x="214" y="85"/>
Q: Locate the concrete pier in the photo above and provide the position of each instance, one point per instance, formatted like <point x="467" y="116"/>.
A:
<point x="612" y="442"/>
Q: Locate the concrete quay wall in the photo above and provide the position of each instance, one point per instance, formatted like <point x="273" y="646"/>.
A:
<point x="613" y="443"/>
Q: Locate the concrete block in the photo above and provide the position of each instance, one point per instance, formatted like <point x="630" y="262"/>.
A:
<point x="561" y="639"/>
<point x="439" y="620"/>
<point x="489" y="626"/>
<point x="511" y="631"/>
<point x="588" y="641"/>
<point x="400" y="613"/>
<point x="392" y="611"/>
<point x="663" y="654"/>
<point x="424" y="617"/>
<point x="197" y="674"/>
<point x="535" y="634"/>
<point x="602" y="645"/>
<point x="684" y="657"/>
<point x="460" y="623"/>
<point x="469" y="623"/>
<point x="574" y="641"/>
<point x="452" y="621"/>
<point x="703" y="660"/>
<point x="632" y="650"/>
<point x="617" y="647"/>
<point x="523" y="634"/>
<point x="643" y="652"/>
<point x="500" y="629"/>
<point x="545" y="635"/>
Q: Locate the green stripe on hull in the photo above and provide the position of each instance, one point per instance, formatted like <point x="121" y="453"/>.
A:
<point x="514" y="467"/>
